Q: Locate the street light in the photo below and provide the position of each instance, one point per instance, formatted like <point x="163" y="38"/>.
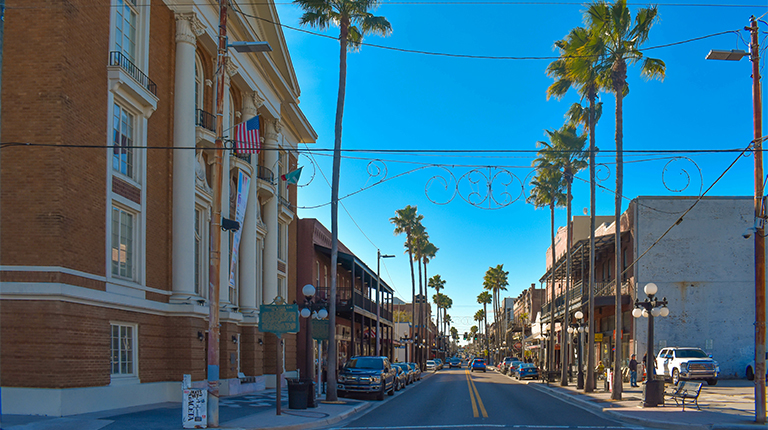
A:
<point x="314" y="308"/>
<point x="653" y="391"/>
<point x="379" y="256"/>
<point x="579" y="328"/>
<point x="757" y="120"/>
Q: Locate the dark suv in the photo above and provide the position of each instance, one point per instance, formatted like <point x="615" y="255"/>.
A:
<point x="374" y="375"/>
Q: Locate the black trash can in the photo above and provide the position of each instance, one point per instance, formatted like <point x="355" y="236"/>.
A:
<point x="297" y="394"/>
<point x="310" y="392"/>
<point x="653" y="392"/>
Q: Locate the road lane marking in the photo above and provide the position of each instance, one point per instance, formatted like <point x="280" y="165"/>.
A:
<point x="474" y="394"/>
<point x="471" y="395"/>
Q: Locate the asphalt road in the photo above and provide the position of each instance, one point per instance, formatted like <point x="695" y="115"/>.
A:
<point x="457" y="399"/>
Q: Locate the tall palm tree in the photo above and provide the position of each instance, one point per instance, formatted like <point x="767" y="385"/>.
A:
<point x="617" y="42"/>
<point x="484" y="299"/>
<point x="565" y="152"/>
<point x="581" y="71"/>
<point x="495" y="281"/>
<point x="354" y="20"/>
<point x="420" y="238"/>
<point x="547" y="191"/>
<point x="447" y="304"/>
<point x="438" y="284"/>
<point x="428" y="252"/>
<point x="405" y="220"/>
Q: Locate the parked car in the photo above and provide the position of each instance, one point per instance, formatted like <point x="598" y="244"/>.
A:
<point x="478" y="364"/>
<point x="439" y="363"/>
<point x="401" y="379"/>
<point x="504" y="364"/>
<point x="431" y="365"/>
<point x="751" y="369"/>
<point x="408" y="371"/>
<point x="527" y="370"/>
<point x="454" y="362"/>
<point x="679" y="363"/>
<point x="367" y="375"/>
<point x="416" y="371"/>
<point x="512" y="369"/>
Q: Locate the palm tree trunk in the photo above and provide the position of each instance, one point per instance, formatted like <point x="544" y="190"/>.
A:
<point x="421" y="317"/>
<point x="551" y="364"/>
<point x="331" y="394"/>
<point x="565" y="349"/>
<point x="620" y="71"/>
<point x="413" y="296"/>
<point x="589" y="386"/>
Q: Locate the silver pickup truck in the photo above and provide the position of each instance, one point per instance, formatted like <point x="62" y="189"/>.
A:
<point x="679" y="364"/>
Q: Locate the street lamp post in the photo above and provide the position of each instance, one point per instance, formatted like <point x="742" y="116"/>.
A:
<point x="653" y="391"/>
<point x="378" y="297"/>
<point x="316" y="309"/>
<point x="759" y="231"/>
<point x="579" y="328"/>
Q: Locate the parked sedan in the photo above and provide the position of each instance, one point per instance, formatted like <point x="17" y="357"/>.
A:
<point x="431" y="365"/>
<point x="416" y="371"/>
<point x="407" y="371"/>
<point x="527" y="370"/>
<point x="512" y="368"/>
<point x="439" y="363"/>
<point x="478" y="364"/>
<point x="401" y="379"/>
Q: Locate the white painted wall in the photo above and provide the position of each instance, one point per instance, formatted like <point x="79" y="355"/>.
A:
<point x="705" y="269"/>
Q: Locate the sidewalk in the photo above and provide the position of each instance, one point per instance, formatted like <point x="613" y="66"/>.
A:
<point x="246" y="412"/>
<point x="728" y="405"/>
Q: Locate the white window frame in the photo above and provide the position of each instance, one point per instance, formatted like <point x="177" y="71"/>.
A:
<point x="202" y="245"/>
<point x="132" y="376"/>
<point x="141" y="9"/>
<point x="119" y="111"/>
<point x="134" y="237"/>
<point x="199" y="83"/>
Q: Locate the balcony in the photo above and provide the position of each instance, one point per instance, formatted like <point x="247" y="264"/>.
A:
<point x="579" y="294"/>
<point x="117" y="58"/>
<point x="265" y="174"/>
<point x="345" y="304"/>
<point x="244" y="157"/>
<point x="205" y="119"/>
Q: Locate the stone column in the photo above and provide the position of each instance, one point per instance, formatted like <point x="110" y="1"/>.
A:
<point x="249" y="266"/>
<point x="271" y="134"/>
<point x="187" y="27"/>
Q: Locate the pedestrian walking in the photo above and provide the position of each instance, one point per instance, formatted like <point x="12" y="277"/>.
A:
<point x="633" y="371"/>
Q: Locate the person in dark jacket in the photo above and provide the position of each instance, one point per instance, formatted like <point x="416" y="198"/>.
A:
<point x="633" y="371"/>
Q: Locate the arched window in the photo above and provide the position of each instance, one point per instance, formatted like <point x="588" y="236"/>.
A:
<point x="199" y="81"/>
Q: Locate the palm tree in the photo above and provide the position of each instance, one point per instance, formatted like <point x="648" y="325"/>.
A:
<point x="354" y="20"/>
<point x="420" y="237"/>
<point x="484" y="299"/>
<point x="438" y="284"/>
<point x="548" y="192"/>
<point x="581" y="71"/>
<point x="615" y="43"/>
<point x="495" y="281"/>
<point x="405" y="221"/>
<point x="565" y="153"/>
<point x="447" y="304"/>
<point x="428" y="252"/>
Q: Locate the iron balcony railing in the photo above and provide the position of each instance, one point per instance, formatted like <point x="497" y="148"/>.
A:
<point x="116" y="58"/>
<point x="265" y="174"/>
<point x="245" y="157"/>
<point x="579" y="293"/>
<point x="205" y="119"/>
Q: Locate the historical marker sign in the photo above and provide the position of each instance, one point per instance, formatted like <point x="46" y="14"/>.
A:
<point x="279" y="319"/>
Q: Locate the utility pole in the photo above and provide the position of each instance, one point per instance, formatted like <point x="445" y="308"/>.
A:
<point x="759" y="229"/>
<point x="215" y="248"/>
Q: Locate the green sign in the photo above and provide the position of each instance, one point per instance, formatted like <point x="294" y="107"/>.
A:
<point x="279" y="318"/>
<point x="320" y="329"/>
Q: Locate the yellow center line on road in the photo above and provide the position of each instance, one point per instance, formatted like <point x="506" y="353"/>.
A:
<point x="472" y="394"/>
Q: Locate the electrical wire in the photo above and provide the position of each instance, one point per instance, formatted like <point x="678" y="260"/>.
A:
<point x="436" y="3"/>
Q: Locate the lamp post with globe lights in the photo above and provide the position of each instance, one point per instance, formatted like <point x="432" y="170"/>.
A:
<point x="580" y="327"/>
<point x="653" y="390"/>
<point x="316" y="309"/>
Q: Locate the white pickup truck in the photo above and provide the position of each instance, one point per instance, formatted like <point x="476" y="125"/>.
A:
<point x="679" y="364"/>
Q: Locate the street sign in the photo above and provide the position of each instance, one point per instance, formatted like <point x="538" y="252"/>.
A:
<point x="320" y="329"/>
<point x="279" y="319"/>
<point x="598" y="337"/>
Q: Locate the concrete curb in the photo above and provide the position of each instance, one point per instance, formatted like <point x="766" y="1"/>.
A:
<point x="324" y="422"/>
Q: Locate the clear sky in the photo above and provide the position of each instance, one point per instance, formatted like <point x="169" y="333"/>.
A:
<point x="411" y="101"/>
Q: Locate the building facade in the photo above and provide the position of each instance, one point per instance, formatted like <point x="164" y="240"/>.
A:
<point x="106" y="208"/>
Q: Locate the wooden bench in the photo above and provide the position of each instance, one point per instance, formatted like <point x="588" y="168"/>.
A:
<point x="687" y="392"/>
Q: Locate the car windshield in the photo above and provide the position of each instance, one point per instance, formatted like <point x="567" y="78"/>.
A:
<point x="365" y="363"/>
<point x="691" y="353"/>
<point x="527" y="365"/>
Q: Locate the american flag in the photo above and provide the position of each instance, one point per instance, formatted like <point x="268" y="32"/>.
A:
<point x="247" y="136"/>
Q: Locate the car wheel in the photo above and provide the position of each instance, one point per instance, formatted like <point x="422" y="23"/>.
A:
<point x="750" y="373"/>
<point x="675" y="377"/>
<point x="711" y="381"/>
<point x="380" y="394"/>
<point x="391" y="391"/>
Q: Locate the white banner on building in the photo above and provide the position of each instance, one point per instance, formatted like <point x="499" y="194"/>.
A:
<point x="243" y="182"/>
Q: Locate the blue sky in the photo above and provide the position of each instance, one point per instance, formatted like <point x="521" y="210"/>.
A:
<point x="409" y="101"/>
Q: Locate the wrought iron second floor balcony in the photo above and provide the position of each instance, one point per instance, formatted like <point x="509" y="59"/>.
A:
<point x="205" y="119"/>
<point x="348" y="302"/>
<point x="117" y="58"/>
<point x="265" y="174"/>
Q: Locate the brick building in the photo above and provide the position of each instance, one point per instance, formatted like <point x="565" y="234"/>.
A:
<point x="106" y="206"/>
